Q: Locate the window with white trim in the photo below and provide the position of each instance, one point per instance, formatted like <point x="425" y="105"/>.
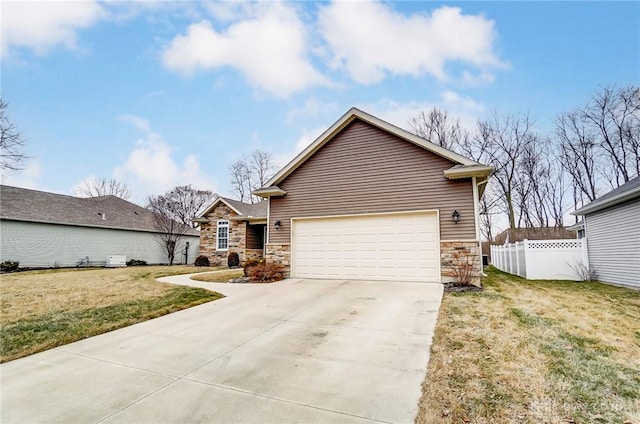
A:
<point x="222" y="235"/>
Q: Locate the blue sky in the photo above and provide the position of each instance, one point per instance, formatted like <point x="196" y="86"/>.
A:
<point x="159" y="94"/>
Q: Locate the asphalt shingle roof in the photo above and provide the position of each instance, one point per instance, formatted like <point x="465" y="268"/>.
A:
<point x="20" y="204"/>
<point x="603" y="201"/>
<point x="255" y="210"/>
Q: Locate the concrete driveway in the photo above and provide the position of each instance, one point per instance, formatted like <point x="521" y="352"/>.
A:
<point x="296" y="351"/>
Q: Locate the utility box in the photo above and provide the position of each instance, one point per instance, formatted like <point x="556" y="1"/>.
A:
<point x="116" y="261"/>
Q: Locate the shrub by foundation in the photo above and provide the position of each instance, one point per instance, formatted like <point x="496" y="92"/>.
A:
<point x="249" y="263"/>
<point x="265" y="272"/>
<point x="9" y="266"/>
<point x="233" y="260"/>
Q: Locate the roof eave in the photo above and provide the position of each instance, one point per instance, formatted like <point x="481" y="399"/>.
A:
<point x="269" y="191"/>
<point x="576" y="227"/>
<point x="193" y="232"/>
<point x="616" y="200"/>
<point x="250" y="219"/>
<point x="214" y="204"/>
<point x="468" y="171"/>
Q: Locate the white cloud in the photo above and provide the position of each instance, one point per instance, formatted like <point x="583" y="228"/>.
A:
<point x="29" y="177"/>
<point x="151" y="168"/>
<point x="42" y="25"/>
<point x="77" y="187"/>
<point x="370" y="40"/>
<point x="227" y="11"/>
<point x="268" y="46"/>
<point x="138" y="122"/>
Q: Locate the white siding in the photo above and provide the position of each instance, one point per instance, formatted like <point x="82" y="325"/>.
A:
<point x="613" y="240"/>
<point x="48" y="245"/>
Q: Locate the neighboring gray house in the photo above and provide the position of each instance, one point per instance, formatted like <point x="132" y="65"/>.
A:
<point x="41" y="229"/>
<point x="612" y="227"/>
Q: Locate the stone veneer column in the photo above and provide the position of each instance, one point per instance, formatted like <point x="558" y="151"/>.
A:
<point x="238" y="238"/>
<point x="279" y="253"/>
<point x="467" y="252"/>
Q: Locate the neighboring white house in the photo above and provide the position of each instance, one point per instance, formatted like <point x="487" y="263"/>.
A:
<point x="41" y="229"/>
<point x="612" y="228"/>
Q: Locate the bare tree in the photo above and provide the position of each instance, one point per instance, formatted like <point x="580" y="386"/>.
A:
<point x="502" y="139"/>
<point x="251" y="173"/>
<point x="487" y="211"/>
<point x="579" y="154"/>
<point x="600" y="142"/>
<point x="183" y="203"/>
<point x="437" y="127"/>
<point x="169" y="230"/>
<point x="240" y="180"/>
<point x="261" y="166"/>
<point x="103" y="187"/>
<point x="534" y="171"/>
<point x="555" y="189"/>
<point x="11" y="142"/>
<point x="614" y="114"/>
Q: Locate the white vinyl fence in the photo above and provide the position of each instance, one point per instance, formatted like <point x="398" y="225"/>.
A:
<point x="543" y="259"/>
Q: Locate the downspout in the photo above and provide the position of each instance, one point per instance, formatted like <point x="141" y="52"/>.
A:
<point x="268" y="226"/>
<point x="476" y="205"/>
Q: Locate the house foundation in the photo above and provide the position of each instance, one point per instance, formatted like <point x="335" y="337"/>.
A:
<point x="460" y="260"/>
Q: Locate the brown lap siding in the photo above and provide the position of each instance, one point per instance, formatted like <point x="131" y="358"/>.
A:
<point x="366" y="170"/>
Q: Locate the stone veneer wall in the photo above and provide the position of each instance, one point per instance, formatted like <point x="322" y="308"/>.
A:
<point x="279" y="254"/>
<point x="237" y="236"/>
<point x="468" y="252"/>
<point x="254" y="254"/>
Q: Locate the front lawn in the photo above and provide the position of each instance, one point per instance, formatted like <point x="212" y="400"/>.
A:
<point x="44" y="309"/>
<point x="535" y="352"/>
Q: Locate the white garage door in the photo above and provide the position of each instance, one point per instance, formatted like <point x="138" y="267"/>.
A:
<point x="400" y="247"/>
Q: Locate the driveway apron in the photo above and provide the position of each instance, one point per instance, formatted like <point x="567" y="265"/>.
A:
<point x="289" y="352"/>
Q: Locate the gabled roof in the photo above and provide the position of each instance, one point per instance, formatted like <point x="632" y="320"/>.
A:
<point x="20" y="204"/>
<point x="627" y="191"/>
<point x="463" y="168"/>
<point x="244" y="210"/>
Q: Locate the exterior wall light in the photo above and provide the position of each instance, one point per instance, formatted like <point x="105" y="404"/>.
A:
<point x="456" y="216"/>
<point x="277" y="224"/>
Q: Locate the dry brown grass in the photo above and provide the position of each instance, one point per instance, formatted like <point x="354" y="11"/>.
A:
<point x="43" y="309"/>
<point x="219" y="276"/>
<point x="30" y="294"/>
<point x="535" y="352"/>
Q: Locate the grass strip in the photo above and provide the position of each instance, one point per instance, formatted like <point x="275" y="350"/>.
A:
<point x="535" y="351"/>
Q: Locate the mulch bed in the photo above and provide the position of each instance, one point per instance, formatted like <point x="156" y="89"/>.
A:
<point x="455" y="288"/>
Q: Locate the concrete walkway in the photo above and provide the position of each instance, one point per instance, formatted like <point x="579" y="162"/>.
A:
<point x="297" y="351"/>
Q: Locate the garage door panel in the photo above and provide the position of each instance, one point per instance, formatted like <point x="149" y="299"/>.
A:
<point x="377" y="247"/>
